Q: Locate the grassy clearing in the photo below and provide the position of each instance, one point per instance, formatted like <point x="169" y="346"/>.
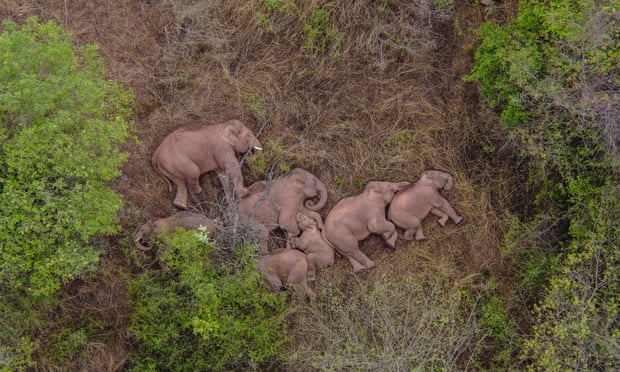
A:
<point x="351" y="92"/>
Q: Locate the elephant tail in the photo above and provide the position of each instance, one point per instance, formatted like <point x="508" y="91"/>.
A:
<point x="161" y="173"/>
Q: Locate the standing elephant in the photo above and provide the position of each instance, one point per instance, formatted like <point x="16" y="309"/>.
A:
<point x="354" y="218"/>
<point x="287" y="266"/>
<point x="186" y="154"/>
<point x="273" y="204"/>
<point x="411" y="206"/>
<point x="319" y="253"/>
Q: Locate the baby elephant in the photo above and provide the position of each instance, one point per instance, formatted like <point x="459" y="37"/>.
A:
<point x="412" y="205"/>
<point x="184" y="220"/>
<point x="319" y="253"/>
<point x="287" y="266"/>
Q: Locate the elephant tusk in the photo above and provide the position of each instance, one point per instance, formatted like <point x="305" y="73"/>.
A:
<point x="258" y="148"/>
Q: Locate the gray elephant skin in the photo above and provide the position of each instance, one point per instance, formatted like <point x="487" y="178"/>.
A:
<point x="319" y="253"/>
<point x="409" y="208"/>
<point x="273" y="204"/>
<point x="354" y="218"/>
<point x="185" y="154"/>
<point x="287" y="266"/>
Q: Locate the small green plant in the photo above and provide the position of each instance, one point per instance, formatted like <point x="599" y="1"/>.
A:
<point x="397" y="140"/>
<point x="319" y="35"/>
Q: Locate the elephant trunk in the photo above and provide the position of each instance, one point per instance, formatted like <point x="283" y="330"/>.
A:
<point x="139" y="243"/>
<point x="322" y="194"/>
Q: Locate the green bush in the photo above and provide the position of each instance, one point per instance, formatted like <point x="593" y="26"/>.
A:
<point x="62" y="123"/>
<point x="213" y="311"/>
<point x="552" y="75"/>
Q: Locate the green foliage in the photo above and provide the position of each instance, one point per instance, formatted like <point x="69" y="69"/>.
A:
<point x="577" y="321"/>
<point x="552" y="74"/>
<point x="319" y="34"/>
<point x="213" y="310"/>
<point x="62" y="123"/>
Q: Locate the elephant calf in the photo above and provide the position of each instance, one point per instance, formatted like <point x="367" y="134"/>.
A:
<point x="356" y="217"/>
<point x="412" y="205"/>
<point x="287" y="266"/>
<point x="318" y="252"/>
<point x="184" y="220"/>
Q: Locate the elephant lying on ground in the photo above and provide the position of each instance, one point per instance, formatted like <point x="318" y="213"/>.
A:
<point x="273" y="204"/>
<point x="354" y="218"/>
<point x="186" y="154"/>
<point x="413" y="204"/>
<point x="287" y="266"/>
<point x="319" y="253"/>
<point x="184" y="220"/>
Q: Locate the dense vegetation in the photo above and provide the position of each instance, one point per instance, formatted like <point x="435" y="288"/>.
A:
<point x="553" y="73"/>
<point x="62" y="124"/>
<point x="352" y="91"/>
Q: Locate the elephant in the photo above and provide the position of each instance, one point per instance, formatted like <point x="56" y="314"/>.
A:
<point x="185" y="154"/>
<point x="319" y="253"/>
<point x="287" y="266"/>
<point x="185" y="220"/>
<point x="354" y="218"/>
<point x="273" y="204"/>
<point x="412" y="205"/>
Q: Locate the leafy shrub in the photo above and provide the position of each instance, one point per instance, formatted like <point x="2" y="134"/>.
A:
<point x="213" y="310"/>
<point x="550" y="73"/>
<point x="62" y="123"/>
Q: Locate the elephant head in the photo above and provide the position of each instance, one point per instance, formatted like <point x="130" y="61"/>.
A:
<point x="304" y="218"/>
<point x="240" y="137"/>
<point x="440" y="180"/>
<point x="310" y="186"/>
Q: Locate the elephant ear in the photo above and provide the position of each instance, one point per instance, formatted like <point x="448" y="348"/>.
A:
<point x="231" y="134"/>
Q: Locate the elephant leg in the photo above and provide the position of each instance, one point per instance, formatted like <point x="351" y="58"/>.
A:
<point x="386" y="229"/>
<point x="180" y="200"/>
<point x="447" y="209"/>
<point x="443" y="217"/>
<point x="304" y="287"/>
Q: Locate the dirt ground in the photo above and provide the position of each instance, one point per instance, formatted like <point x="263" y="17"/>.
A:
<point x="381" y="100"/>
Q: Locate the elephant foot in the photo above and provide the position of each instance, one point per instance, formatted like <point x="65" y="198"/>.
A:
<point x="442" y="221"/>
<point x="311" y="276"/>
<point x="458" y="220"/>
<point x="408" y="235"/>
<point x="196" y="190"/>
<point x="420" y="237"/>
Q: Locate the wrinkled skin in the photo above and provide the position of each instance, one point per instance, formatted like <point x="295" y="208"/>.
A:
<point x="319" y="253"/>
<point x="273" y="204"/>
<point x="185" y="220"/>
<point x="412" y="205"/>
<point x="354" y="218"/>
<point x="287" y="266"/>
<point x="186" y="154"/>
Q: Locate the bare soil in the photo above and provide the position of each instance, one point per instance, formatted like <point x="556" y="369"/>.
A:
<point x="384" y="101"/>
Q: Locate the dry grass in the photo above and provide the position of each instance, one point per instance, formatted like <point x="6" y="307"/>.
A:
<point x="384" y="101"/>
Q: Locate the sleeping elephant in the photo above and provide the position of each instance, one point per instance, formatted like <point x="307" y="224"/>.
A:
<point x="354" y="218"/>
<point x="319" y="253"/>
<point x="185" y="220"/>
<point x="273" y="204"/>
<point x="287" y="266"/>
<point x="413" y="204"/>
<point x="186" y="154"/>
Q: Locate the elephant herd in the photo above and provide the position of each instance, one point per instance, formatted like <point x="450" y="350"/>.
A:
<point x="291" y="203"/>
